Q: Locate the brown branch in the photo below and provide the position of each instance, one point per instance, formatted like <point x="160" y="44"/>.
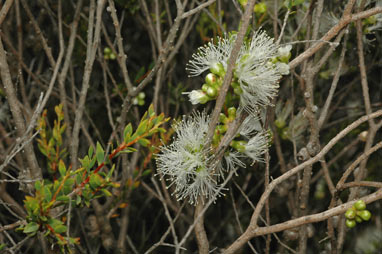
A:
<point x="231" y="65"/>
<point x="253" y="224"/>
<point x="92" y="45"/>
<point x="3" y="13"/>
<point x="344" y="21"/>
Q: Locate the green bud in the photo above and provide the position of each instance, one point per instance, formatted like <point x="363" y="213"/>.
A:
<point x="260" y="8"/>
<point x="284" y="133"/>
<point x="280" y="123"/>
<point x="211" y="79"/>
<point x="243" y="2"/>
<point x="112" y="56"/>
<point x="218" y="69"/>
<point x="364" y="214"/>
<point x="360" y="205"/>
<point x="223" y="118"/>
<point x="212" y="92"/>
<point x="106" y="50"/>
<point x="358" y="219"/>
<point x="204" y="99"/>
<point x="285" y="59"/>
<point x="238" y="90"/>
<point x="205" y="88"/>
<point x="350" y="223"/>
<point x="221" y="128"/>
<point x="235" y="84"/>
<point x="350" y="214"/>
<point x="239" y="145"/>
<point x="216" y="138"/>
<point x="231" y="112"/>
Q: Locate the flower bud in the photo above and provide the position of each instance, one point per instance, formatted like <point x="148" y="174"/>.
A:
<point x="363" y="136"/>
<point x="280" y="123"/>
<point x="350" y="214"/>
<point x="260" y="8"/>
<point x="232" y="112"/>
<point x="239" y="145"/>
<point x="221" y="128"/>
<point x="198" y="96"/>
<point x="218" y="69"/>
<point x="223" y="118"/>
<point x="284" y="53"/>
<point x="205" y="88"/>
<point x="212" y="92"/>
<point x="360" y="205"/>
<point x="238" y="90"/>
<point x="365" y="215"/>
<point x="350" y="223"/>
<point x="211" y="79"/>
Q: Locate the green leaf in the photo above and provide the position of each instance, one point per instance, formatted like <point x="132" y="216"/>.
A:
<point x="127" y="132"/>
<point x="144" y="142"/>
<point x="78" y="200"/>
<point x="142" y="127"/>
<point x="100" y="153"/>
<point x="57" y="225"/>
<point x="109" y="174"/>
<point x="78" y="179"/>
<point x="146" y="172"/>
<point x="47" y="194"/>
<point x="106" y="192"/>
<point x="31" y="227"/>
<point x="37" y="185"/>
<point x="95" y="181"/>
<point x="151" y="111"/>
<point x="61" y="168"/>
<point x="85" y="162"/>
<point x="63" y="198"/>
<point x="68" y="186"/>
<point x="90" y="151"/>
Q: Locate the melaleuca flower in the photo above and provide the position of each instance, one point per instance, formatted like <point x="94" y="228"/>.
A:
<point x="197" y="96"/>
<point x="257" y="146"/>
<point x="284" y="53"/>
<point x="211" y="57"/>
<point x="250" y="126"/>
<point x="257" y="75"/>
<point x="256" y="70"/>
<point x="187" y="161"/>
<point x="231" y="161"/>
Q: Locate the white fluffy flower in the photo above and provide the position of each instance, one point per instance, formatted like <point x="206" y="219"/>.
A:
<point x="209" y="55"/>
<point x="186" y="162"/>
<point x="257" y="75"/>
<point x="197" y="96"/>
<point x="255" y="69"/>
<point x="257" y="146"/>
<point x="284" y="52"/>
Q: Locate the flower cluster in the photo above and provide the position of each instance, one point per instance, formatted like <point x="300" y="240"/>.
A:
<point x="188" y="163"/>
<point x="259" y="66"/>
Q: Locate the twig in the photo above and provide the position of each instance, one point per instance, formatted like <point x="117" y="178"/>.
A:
<point x="3" y="13"/>
<point x="253" y="232"/>
<point x="197" y="9"/>
<point x="91" y="51"/>
<point x="253" y="224"/>
<point x="231" y="64"/>
<point x="333" y="86"/>
<point x="345" y="20"/>
<point x="350" y="169"/>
